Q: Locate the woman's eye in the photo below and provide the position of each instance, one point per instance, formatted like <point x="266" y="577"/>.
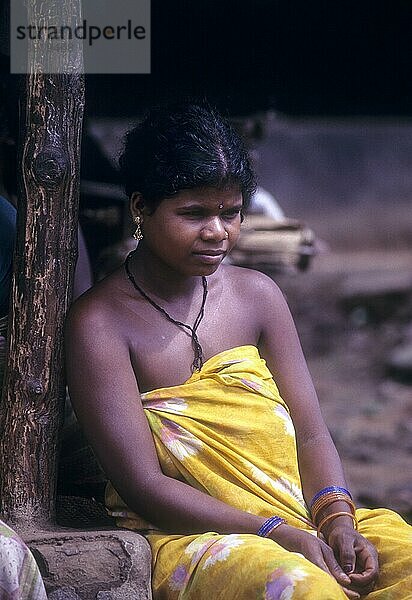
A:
<point x="194" y="213"/>
<point x="232" y="214"/>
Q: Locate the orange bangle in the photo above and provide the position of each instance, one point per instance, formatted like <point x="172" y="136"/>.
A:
<point x="328" y="498"/>
<point x="324" y="503"/>
<point x="334" y="516"/>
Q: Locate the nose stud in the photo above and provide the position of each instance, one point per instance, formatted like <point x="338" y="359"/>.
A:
<point x="220" y="206"/>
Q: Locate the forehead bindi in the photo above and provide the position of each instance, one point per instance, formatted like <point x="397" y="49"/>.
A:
<point x="210" y="198"/>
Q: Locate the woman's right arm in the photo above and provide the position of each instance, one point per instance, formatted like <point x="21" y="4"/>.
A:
<point x="105" y="396"/>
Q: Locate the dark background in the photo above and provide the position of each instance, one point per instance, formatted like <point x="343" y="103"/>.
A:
<point x="298" y="58"/>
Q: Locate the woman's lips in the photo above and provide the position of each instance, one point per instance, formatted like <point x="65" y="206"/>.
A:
<point x="210" y="257"/>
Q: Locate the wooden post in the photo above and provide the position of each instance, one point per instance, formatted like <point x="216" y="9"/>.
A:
<point x="46" y="249"/>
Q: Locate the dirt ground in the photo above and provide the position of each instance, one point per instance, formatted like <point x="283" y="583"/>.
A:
<point x="369" y="412"/>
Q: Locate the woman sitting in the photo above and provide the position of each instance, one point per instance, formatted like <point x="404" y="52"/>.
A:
<point x="190" y="382"/>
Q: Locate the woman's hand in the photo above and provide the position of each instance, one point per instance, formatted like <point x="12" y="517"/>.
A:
<point x="357" y="557"/>
<point x="317" y="552"/>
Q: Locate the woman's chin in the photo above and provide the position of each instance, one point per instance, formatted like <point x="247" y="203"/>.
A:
<point x="203" y="271"/>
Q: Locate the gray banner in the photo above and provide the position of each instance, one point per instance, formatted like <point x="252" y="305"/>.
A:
<point x="115" y="36"/>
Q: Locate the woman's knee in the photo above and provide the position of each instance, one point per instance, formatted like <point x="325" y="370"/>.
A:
<point x="259" y="568"/>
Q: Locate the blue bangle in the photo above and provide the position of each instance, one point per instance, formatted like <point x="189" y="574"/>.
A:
<point x="330" y="490"/>
<point x="269" y="525"/>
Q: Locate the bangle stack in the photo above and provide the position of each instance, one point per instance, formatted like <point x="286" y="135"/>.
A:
<point x="330" y="490"/>
<point x="325" y="498"/>
<point x="332" y="516"/>
<point x="269" y="525"/>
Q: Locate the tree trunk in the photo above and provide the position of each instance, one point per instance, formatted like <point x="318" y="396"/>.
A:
<point x="45" y="256"/>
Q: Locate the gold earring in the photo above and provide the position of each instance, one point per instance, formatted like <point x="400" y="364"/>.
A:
<point x="138" y="235"/>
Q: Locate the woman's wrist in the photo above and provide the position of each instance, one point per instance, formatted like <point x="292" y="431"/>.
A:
<point x="338" y="506"/>
<point x="337" y="522"/>
<point x="282" y="534"/>
<point x="330" y="500"/>
<point x="332" y="507"/>
<point x="269" y="525"/>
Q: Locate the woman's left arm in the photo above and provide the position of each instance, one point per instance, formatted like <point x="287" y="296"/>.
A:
<point x="319" y="462"/>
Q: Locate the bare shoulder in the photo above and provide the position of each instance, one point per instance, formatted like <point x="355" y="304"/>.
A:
<point x="249" y="283"/>
<point x="260" y="299"/>
<point x="94" y="311"/>
<point x="96" y="344"/>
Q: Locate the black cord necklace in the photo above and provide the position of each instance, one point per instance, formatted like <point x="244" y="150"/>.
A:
<point x="197" y="348"/>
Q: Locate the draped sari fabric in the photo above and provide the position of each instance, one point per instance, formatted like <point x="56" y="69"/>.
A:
<point x="227" y="432"/>
<point x="19" y="575"/>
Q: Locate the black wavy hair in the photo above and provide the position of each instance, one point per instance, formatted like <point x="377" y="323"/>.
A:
<point x="184" y="146"/>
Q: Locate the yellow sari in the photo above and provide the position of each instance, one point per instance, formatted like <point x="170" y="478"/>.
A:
<point x="227" y="432"/>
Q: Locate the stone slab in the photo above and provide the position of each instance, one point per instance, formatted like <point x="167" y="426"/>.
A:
<point x="93" y="565"/>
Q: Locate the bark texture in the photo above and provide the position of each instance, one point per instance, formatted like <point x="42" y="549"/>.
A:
<point x="45" y="256"/>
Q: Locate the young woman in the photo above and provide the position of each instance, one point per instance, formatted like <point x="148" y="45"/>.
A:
<point x="172" y="362"/>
